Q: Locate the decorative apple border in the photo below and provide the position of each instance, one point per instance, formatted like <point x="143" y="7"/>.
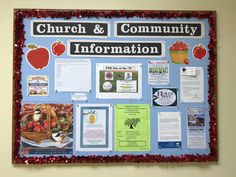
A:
<point x="19" y="44"/>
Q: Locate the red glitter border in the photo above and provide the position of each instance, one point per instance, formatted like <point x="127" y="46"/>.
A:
<point x="19" y="44"/>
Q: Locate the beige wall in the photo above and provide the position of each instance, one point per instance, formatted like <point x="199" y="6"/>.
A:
<point x="226" y="24"/>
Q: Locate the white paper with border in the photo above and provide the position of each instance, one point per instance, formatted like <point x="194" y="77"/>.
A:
<point x="93" y="133"/>
<point x="191" y="86"/>
<point x="129" y="87"/>
<point x="72" y="75"/>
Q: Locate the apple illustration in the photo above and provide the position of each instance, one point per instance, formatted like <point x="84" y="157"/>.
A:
<point x="186" y="61"/>
<point x="37" y="57"/>
<point x="58" y="48"/>
<point x="199" y="51"/>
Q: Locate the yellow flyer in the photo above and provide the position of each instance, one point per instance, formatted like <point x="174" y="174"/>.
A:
<point x="132" y="127"/>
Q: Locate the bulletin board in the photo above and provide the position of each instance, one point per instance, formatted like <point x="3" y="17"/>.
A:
<point x="101" y="86"/>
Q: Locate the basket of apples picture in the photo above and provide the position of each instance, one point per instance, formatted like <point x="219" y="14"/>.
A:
<point x="41" y="122"/>
<point x="179" y="53"/>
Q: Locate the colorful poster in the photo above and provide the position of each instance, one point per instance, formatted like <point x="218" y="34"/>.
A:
<point x="38" y="85"/>
<point x="169" y="129"/>
<point x="191" y="84"/>
<point x="94" y="127"/>
<point x="46" y="129"/>
<point x="119" y="80"/>
<point x="164" y="96"/>
<point x="196" y="128"/>
<point x="158" y="72"/>
<point x="132" y="127"/>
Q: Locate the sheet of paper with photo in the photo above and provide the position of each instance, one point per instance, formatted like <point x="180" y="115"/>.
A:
<point x="196" y="128"/>
<point x="169" y="129"/>
<point x="119" y="80"/>
<point x="191" y="84"/>
<point x="93" y="127"/>
<point x="158" y="72"/>
<point x="72" y="75"/>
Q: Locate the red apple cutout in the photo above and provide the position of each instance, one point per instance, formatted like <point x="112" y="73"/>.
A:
<point x="58" y="48"/>
<point x="37" y="57"/>
<point x="199" y="51"/>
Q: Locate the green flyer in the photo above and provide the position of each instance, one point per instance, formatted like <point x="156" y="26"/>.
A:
<point x="132" y="127"/>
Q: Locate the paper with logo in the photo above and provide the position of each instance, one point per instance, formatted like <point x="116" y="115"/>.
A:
<point x="164" y="96"/>
<point x="93" y="127"/>
<point x="119" y="80"/>
<point x="169" y="129"/>
<point x="158" y="72"/>
<point x="38" y="85"/>
<point x="132" y="127"/>
<point x="196" y="128"/>
<point x="191" y="84"/>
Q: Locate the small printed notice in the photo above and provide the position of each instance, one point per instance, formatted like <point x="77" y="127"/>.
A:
<point x="119" y="80"/>
<point x="158" y="72"/>
<point x="164" y="96"/>
<point x="196" y="128"/>
<point x="79" y="97"/>
<point x="132" y="127"/>
<point x="38" y="85"/>
<point x="191" y="84"/>
<point x="72" y="75"/>
<point x="94" y="125"/>
<point x="169" y="129"/>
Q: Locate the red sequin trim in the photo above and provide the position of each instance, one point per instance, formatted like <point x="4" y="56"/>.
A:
<point x="19" y="44"/>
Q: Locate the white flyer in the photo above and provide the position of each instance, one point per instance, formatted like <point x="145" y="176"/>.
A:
<point x="169" y="129"/>
<point x="72" y="75"/>
<point x="119" y="80"/>
<point x="191" y="84"/>
<point x="158" y="72"/>
<point x="93" y="127"/>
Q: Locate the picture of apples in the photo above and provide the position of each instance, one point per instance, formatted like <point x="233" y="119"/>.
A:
<point x="58" y="48"/>
<point x="30" y="125"/>
<point x="179" y="52"/>
<point x="199" y="51"/>
<point x="37" y="57"/>
<point x="179" y="46"/>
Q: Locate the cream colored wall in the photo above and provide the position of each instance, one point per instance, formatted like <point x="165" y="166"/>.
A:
<point x="226" y="24"/>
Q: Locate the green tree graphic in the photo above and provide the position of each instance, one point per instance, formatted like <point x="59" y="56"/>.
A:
<point x="132" y="122"/>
